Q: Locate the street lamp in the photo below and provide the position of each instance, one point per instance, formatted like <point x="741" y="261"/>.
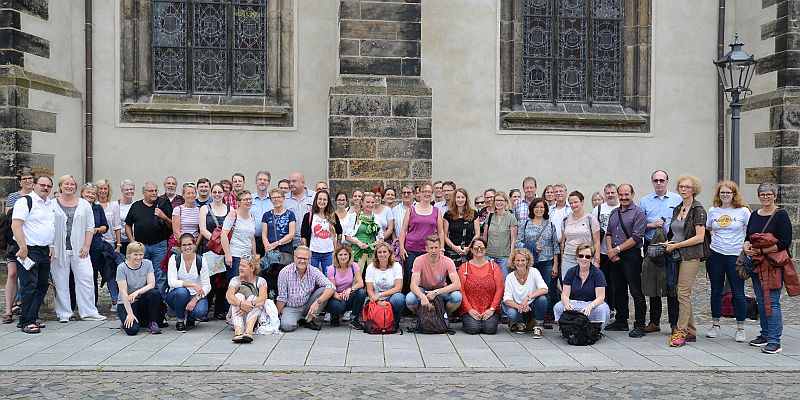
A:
<point x="736" y="69"/>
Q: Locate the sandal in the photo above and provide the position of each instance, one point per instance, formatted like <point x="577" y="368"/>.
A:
<point x="247" y="338"/>
<point x="238" y="338"/>
<point x="8" y="318"/>
<point x="31" y="329"/>
<point x="40" y="325"/>
<point x="16" y="308"/>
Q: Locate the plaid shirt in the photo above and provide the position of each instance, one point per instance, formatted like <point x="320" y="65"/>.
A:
<point x="230" y="199"/>
<point x="295" y="290"/>
<point x="521" y="209"/>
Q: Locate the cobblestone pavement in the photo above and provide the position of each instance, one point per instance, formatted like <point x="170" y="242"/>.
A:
<point x="219" y="385"/>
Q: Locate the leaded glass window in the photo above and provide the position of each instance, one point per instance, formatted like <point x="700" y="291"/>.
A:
<point x="572" y="51"/>
<point x="210" y="46"/>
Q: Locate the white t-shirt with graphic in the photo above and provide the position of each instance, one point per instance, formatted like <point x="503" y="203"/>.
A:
<point x="383" y="280"/>
<point x="728" y="228"/>
<point x="321" y="235"/>
<point x="605" y="213"/>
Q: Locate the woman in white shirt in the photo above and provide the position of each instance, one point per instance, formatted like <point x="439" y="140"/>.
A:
<point x="727" y="220"/>
<point x="525" y="295"/>
<point x="384" y="279"/>
<point x="189" y="283"/>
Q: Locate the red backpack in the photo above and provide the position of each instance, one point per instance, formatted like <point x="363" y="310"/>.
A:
<point x="378" y="320"/>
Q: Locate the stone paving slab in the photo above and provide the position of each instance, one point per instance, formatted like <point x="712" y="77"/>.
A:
<point x="92" y="345"/>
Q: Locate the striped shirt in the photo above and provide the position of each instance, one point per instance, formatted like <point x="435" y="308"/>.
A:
<point x="190" y="219"/>
<point x="295" y="290"/>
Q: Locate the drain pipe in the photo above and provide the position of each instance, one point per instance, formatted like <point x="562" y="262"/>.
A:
<point x="88" y="134"/>
<point x="720" y="95"/>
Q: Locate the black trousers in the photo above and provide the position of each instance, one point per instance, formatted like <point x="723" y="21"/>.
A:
<point x="628" y="276"/>
<point x="657" y="308"/>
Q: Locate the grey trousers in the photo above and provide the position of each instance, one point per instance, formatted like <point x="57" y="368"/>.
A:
<point x="291" y="315"/>
<point x="472" y="326"/>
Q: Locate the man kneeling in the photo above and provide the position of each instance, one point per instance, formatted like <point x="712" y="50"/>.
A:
<point x="302" y="292"/>
<point x="428" y="279"/>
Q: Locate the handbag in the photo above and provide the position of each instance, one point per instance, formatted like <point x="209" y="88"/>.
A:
<point x="531" y="246"/>
<point x="215" y="243"/>
<point x="283" y="258"/>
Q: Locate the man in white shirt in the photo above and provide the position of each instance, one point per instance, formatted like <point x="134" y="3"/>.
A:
<point x="34" y="231"/>
<point x="448" y="188"/>
<point x="603" y="212"/>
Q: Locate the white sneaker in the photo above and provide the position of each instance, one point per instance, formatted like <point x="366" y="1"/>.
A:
<point x="327" y="317"/>
<point x="113" y="308"/>
<point x="63" y="320"/>
<point x="97" y="317"/>
<point x="537" y="332"/>
<point x="740" y="335"/>
<point x="348" y="315"/>
<point x="713" y="332"/>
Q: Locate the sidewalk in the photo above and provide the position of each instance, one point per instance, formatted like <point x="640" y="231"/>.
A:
<point x="101" y="346"/>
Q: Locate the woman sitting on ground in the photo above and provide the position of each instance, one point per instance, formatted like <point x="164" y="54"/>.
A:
<point x="350" y="294"/>
<point x="384" y="280"/>
<point x="189" y="284"/>
<point x="246" y="295"/>
<point x="525" y="295"/>
<point x="482" y="290"/>
<point x="137" y="292"/>
<point x="584" y="288"/>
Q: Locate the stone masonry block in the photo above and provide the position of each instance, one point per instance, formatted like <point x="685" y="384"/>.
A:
<point x="411" y="106"/>
<point x="409" y="31"/>
<point x="337" y="169"/>
<point x="786" y="156"/>
<point x="395" y="169"/>
<point x="24" y="42"/>
<point x="368" y="29"/>
<point x="353" y="148"/>
<point x="759" y="175"/>
<point x="421" y="170"/>
<point x="36" y="8"/>
<point x="404" y="148"/>
<point x="785" y="117"/>
<point x="411" y="67"/>
<point x="350" y="10"/>
<point x="781" y="138"/>
<point x="391" y="12"/>
<point x="360" y="105"/>
<point x="28" y="119"/>
<point x="390" y="48"/>
<point x="15" y="140"/>
<point x="423" y="127"/>
<point x="370" y="65"/>
<point x="383" y="127"/>
<point x="11" y="95"/>
<point x="348" y="47"/>
<point x="340" y="126"/>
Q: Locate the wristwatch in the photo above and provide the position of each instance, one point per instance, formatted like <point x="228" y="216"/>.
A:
<point x="319" y="301"/>
<point x="617" y="249"/>
<point x="492" y="308"/>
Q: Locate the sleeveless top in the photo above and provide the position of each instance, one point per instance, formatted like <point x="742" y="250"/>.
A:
<point x="420" y="227"/>
<point x="211" y="224"/>
<point x="190" y="220"/>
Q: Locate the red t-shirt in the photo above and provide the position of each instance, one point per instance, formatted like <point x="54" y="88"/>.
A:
<point x="432" y="275"/>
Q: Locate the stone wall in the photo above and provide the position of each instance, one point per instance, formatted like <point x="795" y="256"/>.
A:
<point x="784" y="110"/>
<point x="17" y="120"/>
<point x="380" y="110"/>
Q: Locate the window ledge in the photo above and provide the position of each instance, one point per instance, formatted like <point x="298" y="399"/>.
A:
<point x="207" y="114"/>
<point x="606" y="122"/>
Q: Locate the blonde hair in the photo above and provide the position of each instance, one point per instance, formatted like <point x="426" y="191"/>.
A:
<point x="254" y="261"/>
<point x="104" y="182"/>
<point x="275" y="190"/>
<point x="375" y="261"/>
<point x="521" y="251"/>
<point x="584" y="246"/>
<point x="134" y="247"/>
<point x="65" y="178"/>
<point x="696" y="184"/>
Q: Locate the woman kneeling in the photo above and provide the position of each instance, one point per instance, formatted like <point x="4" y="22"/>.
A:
<point x="246" y="295"/>
<point x="525" y="295"/>
<point x="584" y="289"/>
<point x="137" y="292"/>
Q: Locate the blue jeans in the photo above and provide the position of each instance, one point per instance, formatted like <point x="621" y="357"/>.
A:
<point x="321" y="260"/>
<point x="412" y="301"/>
<point x="156" y="253"/>
<point x="178" y="298"/>
<point x="538" y="308"/>
<point x="353" y="303"/>
<point x="771" y="326"/>
<point x="233" y="270"/>
<point x="545" y="268"/>
<point x="502" y="262"/>
<point x="33" y="283"/>
<point x="145" y="308"/>
<point x="408" y="264"/>
<point x="718" y="267"/>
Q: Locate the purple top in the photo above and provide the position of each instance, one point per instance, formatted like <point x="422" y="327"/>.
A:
<point x="635" y="222"/>
<point x="420" y="227"/>
<point x="342" y="281"/>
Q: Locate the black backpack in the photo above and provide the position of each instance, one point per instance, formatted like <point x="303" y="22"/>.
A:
<point x="433" y="319"/>
<point x="6" y="235"/>
<point x="577" y="329"/>
<point x="198" y="262"/>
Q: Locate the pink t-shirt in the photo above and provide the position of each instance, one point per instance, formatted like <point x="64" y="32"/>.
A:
<point x="432" y="276"/>
<point x="577" y="231"/>
<point x="342" y="281"/>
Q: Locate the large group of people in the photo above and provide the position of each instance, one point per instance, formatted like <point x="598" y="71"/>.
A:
<point x="303" y="256"/>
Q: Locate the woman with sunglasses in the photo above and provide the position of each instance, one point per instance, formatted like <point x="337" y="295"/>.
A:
<point x="727" y="220"/>
<point x="321" y="231"/>
<point x="769" y="219"/>
<point x="247" y="294"/>
<point x="186" y="217"/>
<point x="189" y="284"/>
<point x="482" y="290"/>
<point x="25" y="176"/>
<point x="479" y="202"/>
<point x="213" y="215"/>
<point x="584" y="288"/>
<point x="75" y="227"/>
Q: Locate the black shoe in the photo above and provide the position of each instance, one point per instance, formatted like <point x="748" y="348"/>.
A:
<point x="205" y="319"/>
<point x="334" y="321"/>
<point x="758" y="341"/>
<point x="190" y="322"/>
<point x="313" y="325"/>
<point x="617" y="326"/>
<point x="180" y="326"/>
<point x="163" y="323"/>
<point x="356" y="325"/>
<point x="637" y="332"/>
<point x="220" y="316"/>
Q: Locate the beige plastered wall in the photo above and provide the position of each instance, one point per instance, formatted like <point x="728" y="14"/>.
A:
<point x="460" y="63"/>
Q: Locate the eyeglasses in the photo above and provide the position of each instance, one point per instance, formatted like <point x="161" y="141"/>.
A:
<point x="726" y="193"/>
<point x="767" y="194"/>
<point x="46" y="186"/>
<point x="408" y="193"/>
<point x="659" y="180"/>
<point x="217" y="192"/>
<point x="427" y="191"/>
<point x="151" y="190"/>
<point x="26" y="178"/>
<point x="584" y="256"/>
<point x="685" y="187"/>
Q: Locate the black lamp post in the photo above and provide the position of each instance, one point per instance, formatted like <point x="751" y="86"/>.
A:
<point x="736" y="69"/>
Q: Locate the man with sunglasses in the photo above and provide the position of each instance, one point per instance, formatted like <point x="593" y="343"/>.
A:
<point x="34" y="232"/>
<point x="658" y="207"/>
